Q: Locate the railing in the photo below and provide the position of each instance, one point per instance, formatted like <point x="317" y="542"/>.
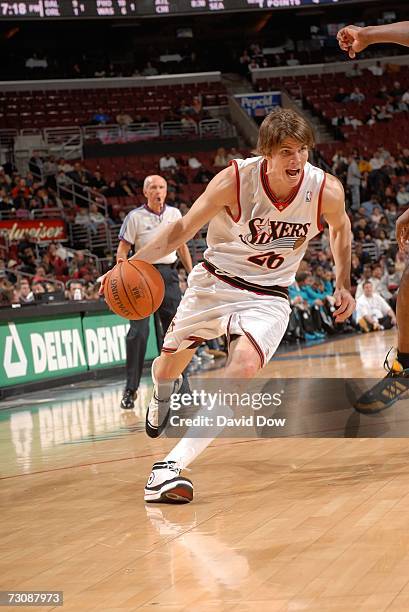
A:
<point x="216" y="128"/>
<point x="30" y="132"/>
<point x="142" y="131"/>
<point x="102" y="133"/>
<point x="178" y="128"/>
<point x="65" y="140"/>
<point x="70" y="139"/>
<point x="43" y="213"/>
<point x="7" y="137"/>
<point x="19" y="273"/>
<point x="96" y="239"/>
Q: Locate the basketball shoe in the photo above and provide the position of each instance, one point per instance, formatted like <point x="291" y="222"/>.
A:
<point x="157" y="414"/>
<point x="165" y="485"/>
<point x="128" y="399"/>
<point x="387" y="391"/>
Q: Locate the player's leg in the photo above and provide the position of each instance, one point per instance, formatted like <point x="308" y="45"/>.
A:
<point x="165" y="484"/>
<point x="136" y="341"/>
<point x="172" y="297"/>
<point x="402" y="318"/>
<point x="395" y="385"/>
<point x="167" y="378"/>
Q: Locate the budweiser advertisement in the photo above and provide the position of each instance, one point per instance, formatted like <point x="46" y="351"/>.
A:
<point x="44" y="230"/>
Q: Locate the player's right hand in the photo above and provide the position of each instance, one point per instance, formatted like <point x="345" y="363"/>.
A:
<point x="102" y="279"/>
<point x="351" y="40"/>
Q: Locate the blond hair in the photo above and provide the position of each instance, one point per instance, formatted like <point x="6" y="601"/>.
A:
<point x="280" y="124"/>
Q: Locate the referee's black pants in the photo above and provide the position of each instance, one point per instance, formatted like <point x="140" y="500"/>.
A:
<point x="138" y="333"/>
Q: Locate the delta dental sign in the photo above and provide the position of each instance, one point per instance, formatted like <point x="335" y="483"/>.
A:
<point x="68" y="346"/>
<point x="46" y="230"/>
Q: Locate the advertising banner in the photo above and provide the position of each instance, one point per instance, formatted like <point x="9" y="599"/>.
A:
<point x="44" y="230"/>
<point x="39" y="349"/>
<point x="259" y="104"/>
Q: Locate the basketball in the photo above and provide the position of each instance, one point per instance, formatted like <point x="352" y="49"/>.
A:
<point x="134" y="289"/>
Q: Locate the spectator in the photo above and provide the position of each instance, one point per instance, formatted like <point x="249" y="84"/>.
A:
<point x="98" y="182"/>
<point x="376" y="69"/>
<point x="75" y="290"/>
<point x="234" y="154"/>
<point x="341" y="96"/>
<point x="373" y="313"/>
<point x="188" y="122"/>
<point x="376" y="161"/>
<point x="96" y="217"/>
<point x="26" y="296"/>
<point x="35" y="62"/>
<point x="194" y="163"/>
<point x="402" y="197"/>
<point x="370" y="204"/>
<point x="220" y="161"/>
<point x="35" y="164"/>
<point x="354" y="72"/>
<point x="149" y="70"/>
<point x="37" y="287"/>
<point x="292" y="60"/>
<point x="197" y="109"/>
<point x="101" y="117"/>
<point x="82" y="217"/>
<point x="376" y="215"/>
<point x="167" y="162"/>
<point x="123" y="119"/>
<point x="357" y="96"/>
<point x="379" y="284"/>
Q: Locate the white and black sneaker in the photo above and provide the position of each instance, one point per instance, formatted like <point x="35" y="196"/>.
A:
<point x="157" y="414"/>
<point x="165" y="485"/>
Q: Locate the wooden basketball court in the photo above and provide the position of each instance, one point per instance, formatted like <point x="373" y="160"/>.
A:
<point x="276" y="524"/>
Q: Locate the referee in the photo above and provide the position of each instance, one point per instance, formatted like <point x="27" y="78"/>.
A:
<point x="138" y="228"/>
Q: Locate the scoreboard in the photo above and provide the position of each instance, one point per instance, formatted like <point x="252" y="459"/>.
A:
<point x="70" y="9"/>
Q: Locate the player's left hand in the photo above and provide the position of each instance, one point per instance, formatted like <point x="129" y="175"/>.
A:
<point x="345" y="304"/>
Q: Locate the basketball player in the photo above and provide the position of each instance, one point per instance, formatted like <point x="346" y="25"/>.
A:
<point x="262" y="213"/>
<point x="139" y="227"/>
<point x="353" y="40"/>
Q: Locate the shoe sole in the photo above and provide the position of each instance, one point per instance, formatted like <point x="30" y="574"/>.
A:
<point x="180" y="493"/>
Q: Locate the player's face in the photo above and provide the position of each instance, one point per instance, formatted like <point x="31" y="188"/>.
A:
<point x="288" y="160"/>
<point x="155" y="192"/>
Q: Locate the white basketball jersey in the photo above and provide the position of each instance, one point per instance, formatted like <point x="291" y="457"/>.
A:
<point x="268" y="239"/>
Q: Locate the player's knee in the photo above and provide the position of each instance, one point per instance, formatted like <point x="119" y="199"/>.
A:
<point x="244" y="367"/>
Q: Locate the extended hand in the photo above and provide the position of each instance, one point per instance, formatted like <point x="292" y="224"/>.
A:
<point x="345" y="304"/>
<point x="351" y="40"/>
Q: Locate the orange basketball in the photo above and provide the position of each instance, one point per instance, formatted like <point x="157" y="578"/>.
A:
<point x="134" y="289"/>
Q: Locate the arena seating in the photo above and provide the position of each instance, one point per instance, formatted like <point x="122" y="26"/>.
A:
<point x="66" y="107"/>
<point x="318" y="94"/>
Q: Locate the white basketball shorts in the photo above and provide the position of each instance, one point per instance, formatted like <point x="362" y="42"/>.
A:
<point x="211" y="308"/>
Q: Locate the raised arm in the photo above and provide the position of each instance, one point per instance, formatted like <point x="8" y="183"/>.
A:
<point x="220" y="192"/>
<point x="333" y="210"/>
<point x="354" y="39"/>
